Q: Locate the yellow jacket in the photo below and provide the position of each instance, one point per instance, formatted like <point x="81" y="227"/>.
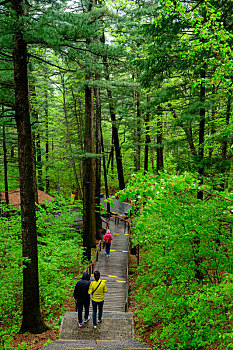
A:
<point x="99" y="293"/>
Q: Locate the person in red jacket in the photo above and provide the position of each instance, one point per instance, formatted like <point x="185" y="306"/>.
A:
<point x="107" y="239"/>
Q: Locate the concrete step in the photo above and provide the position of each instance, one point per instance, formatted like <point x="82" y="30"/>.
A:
<point x="96" y="345"/>
<point x="114" y="326"/>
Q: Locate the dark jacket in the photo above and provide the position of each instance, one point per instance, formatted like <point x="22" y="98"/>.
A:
<point x="81" y="290"/>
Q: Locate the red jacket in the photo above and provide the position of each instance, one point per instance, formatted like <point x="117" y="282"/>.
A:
<point x="108" y="237"/>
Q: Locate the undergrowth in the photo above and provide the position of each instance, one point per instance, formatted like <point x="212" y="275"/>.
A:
<point x="60" y="257"/>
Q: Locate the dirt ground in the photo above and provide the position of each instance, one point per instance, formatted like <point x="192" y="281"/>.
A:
<point x="37" y="341"/>
<point x="14" y="197"/>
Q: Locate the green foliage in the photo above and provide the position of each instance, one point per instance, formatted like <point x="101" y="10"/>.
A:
<point x="60" y="260"/>
<point x="184" y="283"/>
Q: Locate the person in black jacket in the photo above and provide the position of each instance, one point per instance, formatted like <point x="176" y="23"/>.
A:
<point x="82" y="298"/>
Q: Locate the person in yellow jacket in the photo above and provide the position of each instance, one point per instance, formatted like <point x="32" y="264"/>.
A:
<point x="97" y="289"/>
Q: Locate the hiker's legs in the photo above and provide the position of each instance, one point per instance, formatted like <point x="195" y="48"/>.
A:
<point x="100" y="307"/>
<point x="94" y="312"/>
<point x="86" y="307"/>
<point x="108" y="248"/>
<point x="80" y="311"/>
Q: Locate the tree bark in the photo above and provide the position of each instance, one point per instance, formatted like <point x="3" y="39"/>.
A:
<point x="34" y="167"/>
<point x="47" y="184"/>
<point x="68" y="138"/>
<point x="89" y="223"/>
<point x="138" y="133"/>
<point x="189" y="134"/>
<point x="5" y="165"/>
<point x="159" y="141"/>
<point x="225" y="164"/>
<point x="147" y="139"/>
<point x="32" y="320"/>
<point x="201" y="133"/>
<point x="114" y="129"/>
<point x="98" y="162"/>
<point x="105" y="172"/>
<point x="36" y="138"/>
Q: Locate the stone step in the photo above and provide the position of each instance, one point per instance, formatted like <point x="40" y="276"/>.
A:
<point x="114" y="326"/>
<point x="96" y="345"/>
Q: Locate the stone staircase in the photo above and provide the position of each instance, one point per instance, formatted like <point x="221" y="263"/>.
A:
<point x="96" y="345"/>
<point x="114" y="326"/>
<point x="116" y="331"/>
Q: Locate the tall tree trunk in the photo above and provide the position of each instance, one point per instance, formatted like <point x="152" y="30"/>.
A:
<point x="201" y="133"/>
<point x="34" y="167"/>
<point x="188" y="132"/>
<point x="32" y="320"/>
<point x="78" y="117"/>
<point x="98" y="162"/>
<point x="138" y="133"/>
<point x="39" y="161"/>
<point x="197" y="260"/>
<point x="114" y="128"/>
<point x="159" y="141"/>
<point x="89" y="219"/>
<point x="147" y="138"/>
<point x="89" y="223"/>
<point x="47" y="185"/>
<point x="36" y="138"/>
<point x="105" y="172"/>
<point x="68" y="138"/>
<point x="5" y="164"/>
<point x="225" y="165"/>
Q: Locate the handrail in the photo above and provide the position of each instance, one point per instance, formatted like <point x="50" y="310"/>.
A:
<point x="90" y="267"/>
<point x="106" y="222"/>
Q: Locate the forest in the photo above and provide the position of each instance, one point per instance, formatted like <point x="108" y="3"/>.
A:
<point x="130" y="99"/>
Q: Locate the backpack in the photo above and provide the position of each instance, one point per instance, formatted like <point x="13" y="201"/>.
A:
<point x="108" y="238"/>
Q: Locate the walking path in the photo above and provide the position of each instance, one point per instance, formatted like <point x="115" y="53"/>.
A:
<point x="117" y="328"/>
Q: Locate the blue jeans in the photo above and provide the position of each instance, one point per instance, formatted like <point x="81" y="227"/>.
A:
<point x="100" y="305"/>
<point x="107" y="248"/>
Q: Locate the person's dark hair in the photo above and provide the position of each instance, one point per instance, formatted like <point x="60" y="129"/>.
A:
<point x="96" y="275"/>
<point x="86" y="276"/>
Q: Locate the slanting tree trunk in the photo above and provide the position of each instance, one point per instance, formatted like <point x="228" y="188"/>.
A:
<point x="32" y="320"/>
<point x="116" y="142"/>
<point x="111" y="159"/>
<point x="98" y="162"/>
<point x="5" y="164"/>
<point x="159" y="141"/>
<point x="147" y="138"/>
